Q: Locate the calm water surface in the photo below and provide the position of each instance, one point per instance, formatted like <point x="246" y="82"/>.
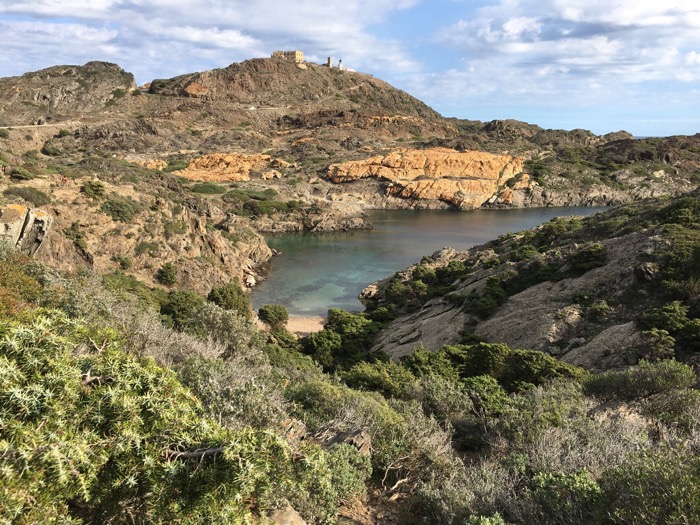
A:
<point x="319" y="271"/>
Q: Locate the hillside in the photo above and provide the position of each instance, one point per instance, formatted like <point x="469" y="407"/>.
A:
<point x="600" y="292"/>
<point x="315" y="118"/>
<point x="124" y="403"/>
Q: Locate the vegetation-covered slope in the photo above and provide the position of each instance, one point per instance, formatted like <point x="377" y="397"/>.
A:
<point x="600" y="292"/>
<point x="171" y="408"/>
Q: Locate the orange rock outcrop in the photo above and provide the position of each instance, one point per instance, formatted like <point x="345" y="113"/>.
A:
<point x="220" y="167"/>
<point x="465" y="179"/>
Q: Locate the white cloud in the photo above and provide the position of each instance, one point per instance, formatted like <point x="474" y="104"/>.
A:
<point x="169" y="37"/>
<point x="580" y="50"/>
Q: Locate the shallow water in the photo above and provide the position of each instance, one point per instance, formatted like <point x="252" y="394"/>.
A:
<point x="319" y="271"/>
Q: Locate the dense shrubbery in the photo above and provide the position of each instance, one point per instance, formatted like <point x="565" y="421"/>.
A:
<point x="208" y="188"/>
<point x="110" y="415"/>
<point x="249" y="202"/>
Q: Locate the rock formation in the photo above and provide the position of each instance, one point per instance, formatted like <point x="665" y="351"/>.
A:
<point x="24" y="227"/>
<point x="233" y="167"/>
<point x="464" y="179"/>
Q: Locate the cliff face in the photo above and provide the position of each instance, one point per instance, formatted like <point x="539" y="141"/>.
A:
<point x="463" y="179"/>
<point x="226" y="167"/>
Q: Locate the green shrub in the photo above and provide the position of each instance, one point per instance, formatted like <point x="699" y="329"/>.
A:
<point x="231" y="297"/>
<point x="76" y="234"/>
<point x="93" y="189"/>
<point x="321" y="346"/>
<point x="424" y="273"/>
<point x="63" y="133"/>
<point x="176" y="165"/>
<point x="526" y="251"/>
<point x="208" y="188"/>
<point x="653" y="487"/>
<point x="174" y="228"/>
<point x="20" y="174"/>
<point x="488" y="301"/>
<point x="167" y="274"/>
<point x="641" y="381"/>
<point x="424" y="362"/>
<point x="274" y="315"/>
<point x="4" y="133"/>
<point x="181" y="307"/>
<point x="588" y="258"/>
<point x="123" y="284"/>
<point x="563" y="498"/>
<point x="50" y="150"/>
<point x="124" y="262"/>
<point x="120" y="209"/>
<point x="18" y="288"/>
<point x="388" y="378"/>
<point x="147" y="247"/>
<point x="32" y="195"/>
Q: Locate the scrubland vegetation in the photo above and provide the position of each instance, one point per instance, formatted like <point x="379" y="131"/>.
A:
<point x="125" y="404"/>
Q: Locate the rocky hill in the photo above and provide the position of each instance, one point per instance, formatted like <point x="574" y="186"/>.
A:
<point x="276" y="82"/>
<point x="61" y="92"/>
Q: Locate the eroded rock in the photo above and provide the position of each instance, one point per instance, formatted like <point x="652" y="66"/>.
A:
<point x="24" y="227"/>
<point x="464" y="179"/>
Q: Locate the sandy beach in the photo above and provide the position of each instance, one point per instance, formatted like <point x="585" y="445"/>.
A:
<point x="305" y="325"/>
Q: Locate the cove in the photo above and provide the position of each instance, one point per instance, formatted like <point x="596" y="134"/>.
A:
<point x="315" y="272"/>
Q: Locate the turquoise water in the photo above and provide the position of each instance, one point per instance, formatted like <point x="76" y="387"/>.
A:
<point x="319" y="271"/>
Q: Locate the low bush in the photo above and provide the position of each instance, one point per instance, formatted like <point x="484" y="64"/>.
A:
<point x="274" y="315"/>
<point x="19" y="174"/>
<point x="121" y="209"/>
<point x="31" y="195"/>
<point x="640" y="382"/>
<point x="208" y="188"/>
<point x="231" y="297"/>
<point x="167" y="274"/>
<point x="93" y="189"/>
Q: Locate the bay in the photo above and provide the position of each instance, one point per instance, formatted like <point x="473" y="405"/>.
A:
<point x="315" y="272"/>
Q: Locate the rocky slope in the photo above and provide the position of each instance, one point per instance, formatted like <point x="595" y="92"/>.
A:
<point x="583" y="290"/>
<point x="59" y="92"/>
<point x="137" y="226"/>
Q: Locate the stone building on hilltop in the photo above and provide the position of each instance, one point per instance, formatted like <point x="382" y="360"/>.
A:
<point x="293" y="56"/>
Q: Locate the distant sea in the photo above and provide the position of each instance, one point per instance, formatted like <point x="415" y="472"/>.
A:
<point x="316" y="272"/>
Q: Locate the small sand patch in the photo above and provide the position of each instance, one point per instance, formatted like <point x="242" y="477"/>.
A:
<point x="305" y="325"/>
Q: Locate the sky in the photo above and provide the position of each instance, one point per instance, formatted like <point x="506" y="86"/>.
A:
<point x="562" y="64"/>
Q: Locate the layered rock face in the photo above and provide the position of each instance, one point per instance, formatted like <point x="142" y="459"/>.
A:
<point x="464" y="179"/>
<point x="233" y="167"/>
<point x="24" y="227"/>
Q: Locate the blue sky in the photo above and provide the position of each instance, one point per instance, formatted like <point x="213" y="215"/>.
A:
<point x="598" y="65"/>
